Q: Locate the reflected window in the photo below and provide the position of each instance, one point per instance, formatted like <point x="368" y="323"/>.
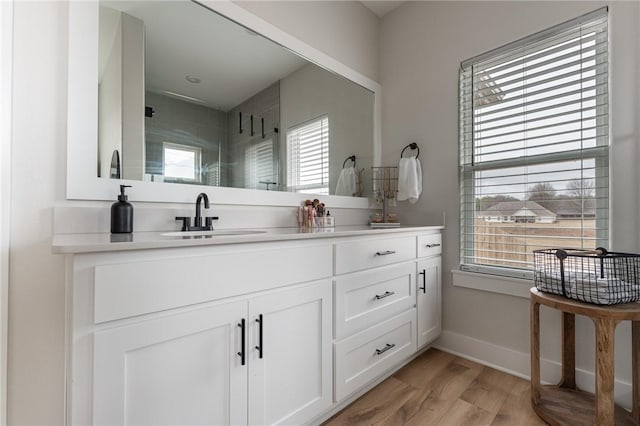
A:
<point x="308" y="157"/>
<point x="181" y="162"/>
<point x="258" y="166"/>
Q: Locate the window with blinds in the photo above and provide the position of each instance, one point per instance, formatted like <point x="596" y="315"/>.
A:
<point x="534" y="147"/>
<point x="308" y="157"/>
<point x="258" y="166"/>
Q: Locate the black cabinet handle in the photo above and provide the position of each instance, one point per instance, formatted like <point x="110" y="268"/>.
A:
<point x="384" y="253"/>
<point x="259" y="347"/>
<point x="242" y="345"/>
<point x="386" y="294"/>
<point x="424" y="281"/>
<point x="386" y="348"/>
<point x="433" y="245"/>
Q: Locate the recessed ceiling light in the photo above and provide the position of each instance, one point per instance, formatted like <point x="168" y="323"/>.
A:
<point x="193" y="79"/>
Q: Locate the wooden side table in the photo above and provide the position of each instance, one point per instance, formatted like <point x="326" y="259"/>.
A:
<point x="565" y="404"/>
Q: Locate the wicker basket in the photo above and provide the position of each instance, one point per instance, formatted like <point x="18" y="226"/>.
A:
<point x="592" y="276"/>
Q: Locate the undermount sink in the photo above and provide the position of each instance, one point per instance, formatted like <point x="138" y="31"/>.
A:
<point x="220" y="232"/>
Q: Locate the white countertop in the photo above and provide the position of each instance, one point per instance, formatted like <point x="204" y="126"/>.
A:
<point x="92" y="243"/>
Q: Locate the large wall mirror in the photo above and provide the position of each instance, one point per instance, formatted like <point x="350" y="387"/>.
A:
<point x="186" y="98"/>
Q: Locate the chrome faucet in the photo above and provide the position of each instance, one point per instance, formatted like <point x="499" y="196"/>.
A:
<point x="197" y="220"/>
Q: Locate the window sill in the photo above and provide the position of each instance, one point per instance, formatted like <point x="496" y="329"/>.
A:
<point x="517" y="287"/>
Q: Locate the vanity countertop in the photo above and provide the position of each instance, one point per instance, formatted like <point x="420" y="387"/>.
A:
<point x="104" y="242"/>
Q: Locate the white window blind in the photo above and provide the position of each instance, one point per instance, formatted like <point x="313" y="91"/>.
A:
<point x="308" y="157"/>
<point x="258" y="165"/>
<point x="212" y="174"/>
<point x="534" y="147"/>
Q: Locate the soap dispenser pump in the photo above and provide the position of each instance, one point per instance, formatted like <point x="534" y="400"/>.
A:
<point x="122" y="214"/>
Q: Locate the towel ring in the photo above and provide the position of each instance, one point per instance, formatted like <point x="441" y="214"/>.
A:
<point x="352" y="158"/>
<point x="412" y="145"/>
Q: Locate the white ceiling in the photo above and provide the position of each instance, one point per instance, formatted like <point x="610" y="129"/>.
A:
<point x="183" y="39"/>
<point x="381" y="8"/>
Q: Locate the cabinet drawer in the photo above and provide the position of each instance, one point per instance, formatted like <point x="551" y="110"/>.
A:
<point x="429" y="245"/>
<point x="369" y="253"/>
<point x="363" y="357"/>
<point x="127" y="289"/>
<point x="366" y="298"/>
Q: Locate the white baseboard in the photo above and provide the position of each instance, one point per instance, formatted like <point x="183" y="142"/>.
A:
<point x="518" y="363"/>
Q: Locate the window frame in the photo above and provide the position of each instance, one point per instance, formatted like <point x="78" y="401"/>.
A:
<point x="599" y="154"/>
<point x="187" y="148"/>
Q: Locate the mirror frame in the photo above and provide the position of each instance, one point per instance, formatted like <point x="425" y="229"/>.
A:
<point x="82" y="118"/>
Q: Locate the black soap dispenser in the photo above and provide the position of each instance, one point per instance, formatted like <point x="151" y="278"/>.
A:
<point x="122" y="214"/>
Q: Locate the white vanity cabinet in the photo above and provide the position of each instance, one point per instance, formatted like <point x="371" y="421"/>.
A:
<point x="253" y="332"/>
<point x="173" y="336"/>
<point x="429" y="288"/>
<point x="268" y="356"/>
<point x="375" y="323"/>
<point x="383" y="314"/>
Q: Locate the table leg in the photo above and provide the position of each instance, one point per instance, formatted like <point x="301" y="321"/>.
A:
<point x="568" y="351"/>
<point x="535" y="353"/>
<point x="635" y="369"/>
<point x="605" y="339"/>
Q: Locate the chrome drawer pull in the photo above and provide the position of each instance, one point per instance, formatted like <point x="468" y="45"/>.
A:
<point x="384" y="253"/>
<point x="386" y="348"/>
<point x="386" y="294"/>
<point x="433" y="245"/>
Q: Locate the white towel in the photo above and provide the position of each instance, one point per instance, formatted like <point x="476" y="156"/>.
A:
<point x="347" y="182"/>
<point x="604" y="291"/>
<point x="552" y="282"/>
<point x="409" y="179"/>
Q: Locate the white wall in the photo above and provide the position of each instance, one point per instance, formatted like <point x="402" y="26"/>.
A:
<point x="637" y="109"/>
<point x="36" y="281"/>
<point x="422" y="45"/>
<point x="6" y="31"/>
<point x="345" y="30"/>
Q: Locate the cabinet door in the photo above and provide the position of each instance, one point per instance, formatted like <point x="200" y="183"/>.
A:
<point x="180" y="369"/>
<point x="290" y="366"/>
<point x="429" y="299"/>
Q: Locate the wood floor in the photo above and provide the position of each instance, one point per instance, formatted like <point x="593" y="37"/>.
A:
<point x="442" y="389"/>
